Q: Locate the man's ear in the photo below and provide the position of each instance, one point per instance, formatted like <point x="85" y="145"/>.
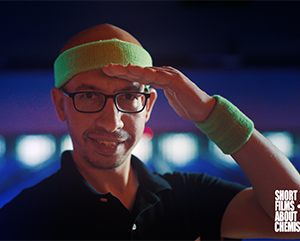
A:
<point x="150" y="103"/>
<point x="58" y="101"/>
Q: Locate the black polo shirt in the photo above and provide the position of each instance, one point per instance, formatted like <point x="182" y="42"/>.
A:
<point x="176" y="206"/>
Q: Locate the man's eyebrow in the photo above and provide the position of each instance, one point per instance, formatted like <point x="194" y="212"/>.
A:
<point x="86" y="87"/>
<point x="134" y="87"/>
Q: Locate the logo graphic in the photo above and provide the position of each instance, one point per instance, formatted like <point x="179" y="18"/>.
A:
<point x="286" y="211"/>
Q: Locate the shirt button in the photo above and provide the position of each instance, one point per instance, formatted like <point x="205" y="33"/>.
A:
<point x="104" y="200"/>
<point x="134" y="227"/>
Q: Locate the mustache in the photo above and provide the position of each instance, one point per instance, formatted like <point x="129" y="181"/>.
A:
<point x="101" y="132"/>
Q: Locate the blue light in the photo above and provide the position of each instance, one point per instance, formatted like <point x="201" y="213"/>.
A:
<point x="178" y="149"/>
<point x="219" y="156"/>
<point x="283" y="141"/>
<point x="2" y="147"/>
<point x="144" y="148"/>
<point x="33" y="150"/>
<point x="66" y="143"/>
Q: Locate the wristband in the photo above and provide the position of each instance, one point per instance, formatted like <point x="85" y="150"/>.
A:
<point x="227" y="126"/>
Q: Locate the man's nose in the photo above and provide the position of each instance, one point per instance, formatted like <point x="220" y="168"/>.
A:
<point x="110" y="117"/>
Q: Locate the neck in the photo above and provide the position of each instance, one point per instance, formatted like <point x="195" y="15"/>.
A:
<point x="121" y="182"/>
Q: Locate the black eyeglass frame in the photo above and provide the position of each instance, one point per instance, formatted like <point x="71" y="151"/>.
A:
<point x="114" y="97"/>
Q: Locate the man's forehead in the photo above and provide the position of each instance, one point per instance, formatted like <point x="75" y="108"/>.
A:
<point x="131" y="86"/>
<point x="100" y="82"/>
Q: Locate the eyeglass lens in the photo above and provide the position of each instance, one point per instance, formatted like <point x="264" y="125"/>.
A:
<point x="92" y="102"/>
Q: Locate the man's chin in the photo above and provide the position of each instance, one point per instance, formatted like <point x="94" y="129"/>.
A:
<point x="105" y="162"/>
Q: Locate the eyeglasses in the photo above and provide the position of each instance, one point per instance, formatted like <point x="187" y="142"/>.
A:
<point x="93" y="102"/>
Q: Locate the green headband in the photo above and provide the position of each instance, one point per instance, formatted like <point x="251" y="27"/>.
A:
<point x="95" y="55"/>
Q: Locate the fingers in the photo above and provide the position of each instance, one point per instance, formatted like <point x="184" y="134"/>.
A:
<point x="129" y="72"/>
<point x="155" y="76"/>
<point x="119" y="71"/>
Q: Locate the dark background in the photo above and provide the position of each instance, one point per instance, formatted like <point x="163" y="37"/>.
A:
<point x="175" y="32"/>
<point x="246" y="51"/>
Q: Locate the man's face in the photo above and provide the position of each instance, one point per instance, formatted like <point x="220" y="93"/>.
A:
<point x="103" y="140"/>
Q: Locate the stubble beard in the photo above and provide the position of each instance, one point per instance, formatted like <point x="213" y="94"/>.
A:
<point x="102" y="164"/>
<point x="99" y="161"/>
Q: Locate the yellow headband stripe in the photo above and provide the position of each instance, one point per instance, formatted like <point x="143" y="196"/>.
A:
<point x="95" y="55"/>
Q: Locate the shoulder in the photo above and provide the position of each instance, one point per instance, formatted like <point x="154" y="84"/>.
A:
<point x="198" y="180"/>
<point x="198" y="197"/>
<point x="202" y="186"/>
<point x="33" y="207"/>
<point x="37" y="194"/>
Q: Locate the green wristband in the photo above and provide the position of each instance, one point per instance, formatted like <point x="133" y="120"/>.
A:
<point x="227" y="126"/>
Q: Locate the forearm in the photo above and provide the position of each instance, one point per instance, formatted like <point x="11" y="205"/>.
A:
<point x="267" y="170"/>
<point x="265" y="166"/>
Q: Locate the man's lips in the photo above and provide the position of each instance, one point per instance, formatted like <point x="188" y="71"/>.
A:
<point x="104" y="142"/>
<point x="105" y="147"/>
<point x="107" y="142"/>
<point x="107" y="139"/>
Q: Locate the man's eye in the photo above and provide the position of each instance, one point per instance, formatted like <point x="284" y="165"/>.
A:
<point x="128" y="96"/>
<point x="88" y="95"/>
<point x="85" y="96"/>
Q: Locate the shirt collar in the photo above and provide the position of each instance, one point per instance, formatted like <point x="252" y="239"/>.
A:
<point x="75" y="184"/>
<point x="147" y="179"/>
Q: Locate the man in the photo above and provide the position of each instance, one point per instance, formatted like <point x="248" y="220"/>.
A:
<point x="102" y="192"/>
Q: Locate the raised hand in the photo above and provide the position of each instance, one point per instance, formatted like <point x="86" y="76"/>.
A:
<point x="189" y="101"/>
